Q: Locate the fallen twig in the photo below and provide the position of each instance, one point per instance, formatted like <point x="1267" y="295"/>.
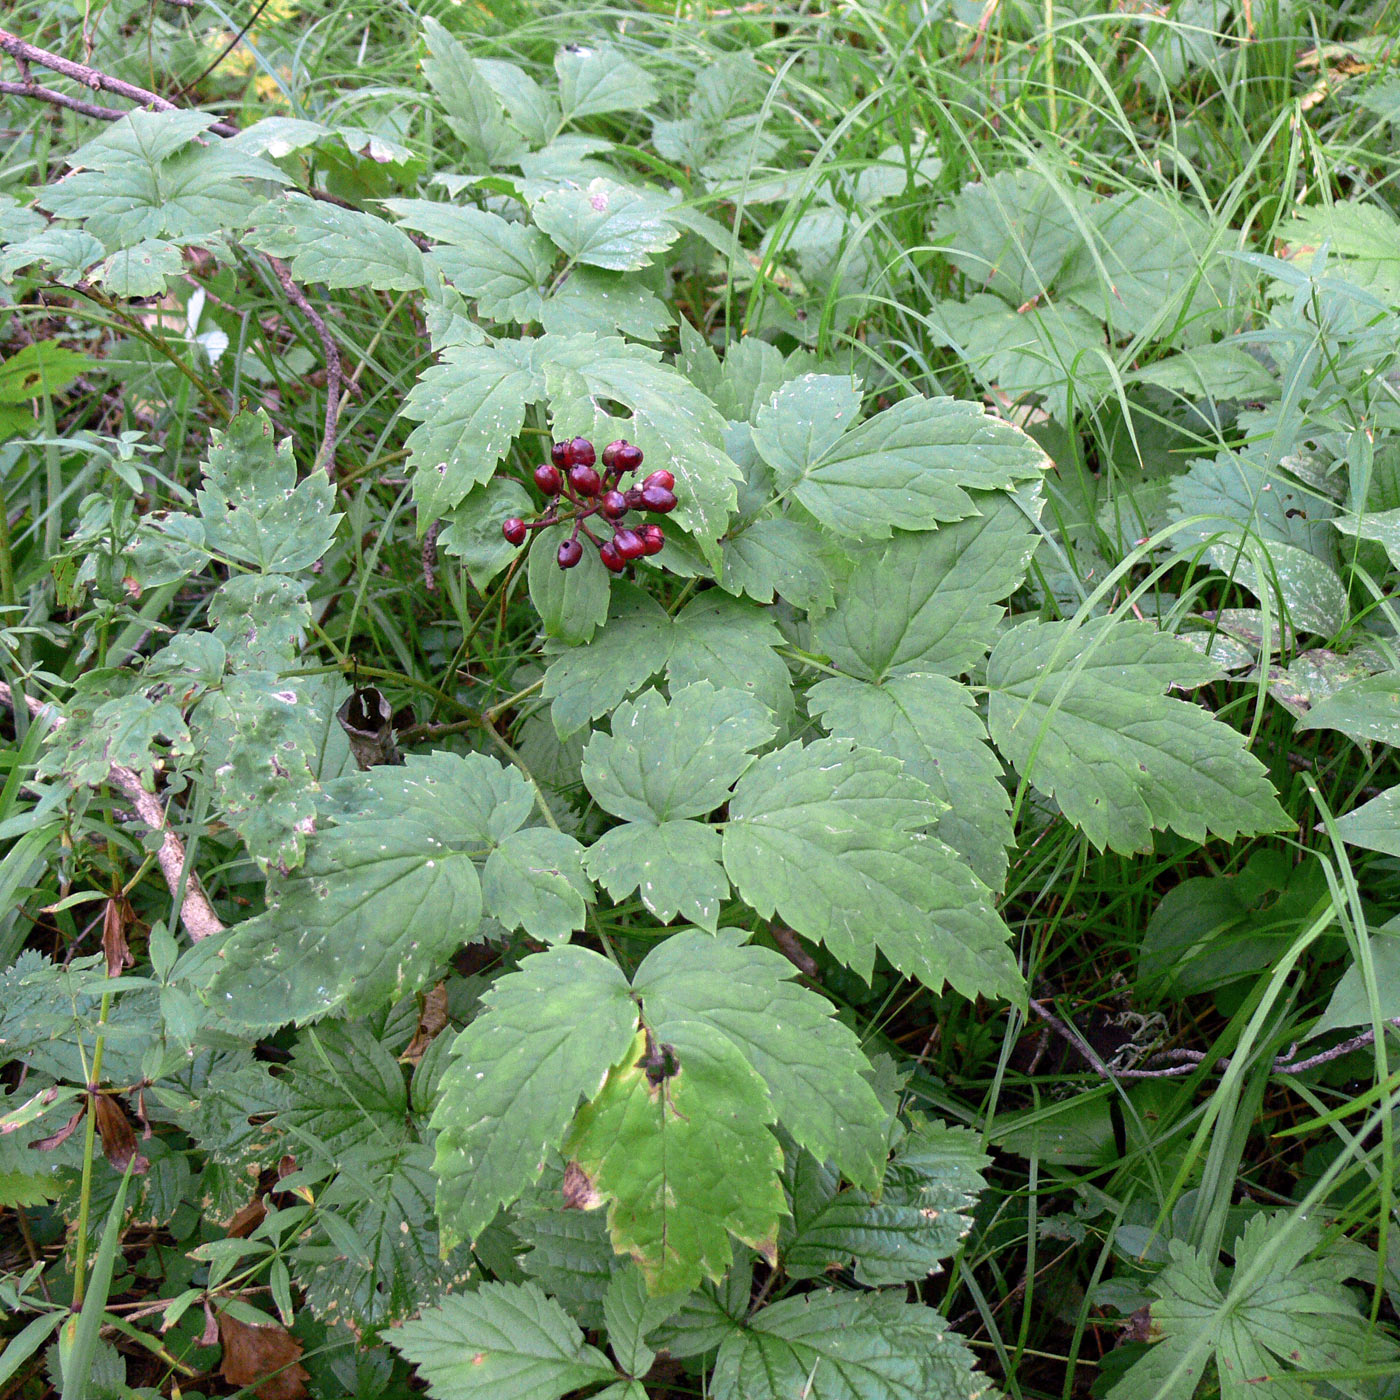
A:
<point x="196" y="912"/>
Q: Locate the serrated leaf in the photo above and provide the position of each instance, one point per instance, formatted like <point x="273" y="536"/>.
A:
<point x="566" y="1248"/>
<point x="631" y="1315"/>
<point x="845" y="1346"/>
<point x="1368" y="709"/>
<point x="931" y="602"/>
<point x="931" y="725"/>
<point x="473" y="110"/>
<point x="1375" y="825"/>
<point x="1083" y="715"/>
<point x="470" y="406"/>
<point x="596" y="78"/>
<point x="590" y="299"/>
<point x="534" y="880"/>
<point x="66" y="253"/>
<point x="779" y="556"/>
<point x="667" y="761"/>
<point x="253" y="509"/>
<point x="683" y="1163"/>
<point x="140" y="271"/>
<point x="502" y="1342"/>
<point x="108" y="723"/>
<point x="831" y="838"/>
<point x="340" y="247"/>
<point x="386" y="893"/>
<point x="501" y="264"/>
<point x="811" y="1063"/>
<point x="674" y="867"/>
<point x="909" y="467"/>
<point x="547" y="1036"/>
<point x="473" y="530"/>
<point x="261" y="620"/>
<point x="731" y="644"/>
<point x="804" y="420"/>
<point x="1211" y="372"/>
<point x="533" y="112"/>
<point x="606" y="225"/>
<point x="571" y="603"/>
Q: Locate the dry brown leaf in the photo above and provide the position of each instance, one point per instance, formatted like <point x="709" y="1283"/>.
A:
<point x="117" y="917"/>
<point x="265" y="1357"/>
<point x="118" y="1137"/>
<point x="431" y="1019"/>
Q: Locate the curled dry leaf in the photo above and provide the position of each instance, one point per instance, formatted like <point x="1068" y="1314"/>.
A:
<point x="118" y="1137"/>
<point x="117" y="917"/>
<point x="264" y="1357"/>
<point x="431" y="1019"/>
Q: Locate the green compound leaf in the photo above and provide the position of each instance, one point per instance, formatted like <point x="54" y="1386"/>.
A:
<point x="501" y="264"/>
<point x="776" y="555"/>
<point x="141" y="271"/>
<point x="811" y="1063"/>
<point x="668" y="761"/>
<point x="340" y="247"/>
<point x="547" y="1037"/>
<point x="920" y="1217"/>
<point x="253" y="509"/>
<point x="804" y="420"/>
<point x="729" y="643"/>
<point x="677" y="1142"/>
<point x="473" y="530"/>
<point x="387" y="892"/>
<point x="474" y="112"/>
<point x="1294" y="1314"/>
<point x="471" y="406"/>
<point x="931" y="601"/>
<point x="109" y="722"/>
<point x="571" y="602"/>
<point x="931" y="725"/>
<point x="590" y="299"/>
<point x="597" y="78"/>
<point x="1083" y="715"/>
<point x="505" y="1341"/>
<point x="906" y="468"/>
<point x="845" y="1346"/>
<point x="534" y="880"/>
<point x="831" y="838"/>
<point x="606" y="225"/>
<point x="674" y="867"/>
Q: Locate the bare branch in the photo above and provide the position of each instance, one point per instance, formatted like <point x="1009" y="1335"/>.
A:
<point x="334" y="376"/>
<point x="93" y="78"/>
<point x="196" y="912"/>
<point x="61" y="99"/>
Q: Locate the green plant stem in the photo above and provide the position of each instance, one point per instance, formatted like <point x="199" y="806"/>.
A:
<point x="94" y="1076"/>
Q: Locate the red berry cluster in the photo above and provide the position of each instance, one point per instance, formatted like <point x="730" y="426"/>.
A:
<point x="571" y="475"/>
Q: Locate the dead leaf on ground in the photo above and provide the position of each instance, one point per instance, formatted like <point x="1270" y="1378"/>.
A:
<point x="265" y="1357"/>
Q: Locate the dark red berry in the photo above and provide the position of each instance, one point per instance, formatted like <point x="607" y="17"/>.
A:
<point x="585" y="480"/>
<point x="627" y="457"/>
<point x="654" y="537"/>
<point x="549" y="481"/>
<point x="581" y="453"/>
<point x="659" y="499"/>
<point x="612" y="560"/>
<point x="614" y="505"/>
<point x="570" y="552"/>
<point x="629" y="544"/>
<point x="662" y="478"/>
<point x="513" y="528"/>
<point x="633" y="497"/>
<point x="610" y="451"/>
<point x="559" y="454"/>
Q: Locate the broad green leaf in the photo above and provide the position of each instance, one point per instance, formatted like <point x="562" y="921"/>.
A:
<point x="606" y="224"/>
<point x="253" y="509"/>
<point x="1382" y="526"/>
<point x="1084" y="716"/>
<point x="1233" y="489"/>
<point x="140" y="271"/>
<point x="1367" y="709"/>
<point x="66" y="253"/>
<point x="679" y="1148"/>
<point x="596" y="78"/>
<point x="895" y="170"/>
<point x="547" y="1036"/>
<point x="566" y="1248"/>
<point x="532" y="111"/>
<point x="108" y="722"/>
<point x="39" y="369"/>
<point x="811" y="1063"/>
<point x="1051" y="349"/>
<point x="505" y="1341"/>
<point x="590" y="299"/>
<point x="386" y="893"/>
<point x="1013" y="233"/>
<point x="1360" y="241"/>
<point x="931" y="602"/>
<point x="470" y="406"/>
<point x="1350" y="1005"/>
<point x="931" y="725"/>
<point x="674" y="866"/>
<point x="340" y="247"/>
<point x="501" y="264"/>
<point x="587" y="681"/>
<point x="731" y="644"/>
<point x="534" y="880"/>
<point x="571" y="603"/>
<point x="473" y="110"/>
<point x="258" y="734"/>
<point x="1294" y="1314"/>
<point x="804" y="420"/>
<point x="1211" y="372"/>
<point x="473" y="530"/>
<point x="831" y="838"/>
<point x="845" y="1346"/>
<point x="631" y="1316"/>
<point x="667" y="761"/>
<point x="1375" y="825"/>
<point x="141" y="138"/>
<point x="907" y="468"/>
<point x="780" y="556"/>
<point x="261" y="619"/>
